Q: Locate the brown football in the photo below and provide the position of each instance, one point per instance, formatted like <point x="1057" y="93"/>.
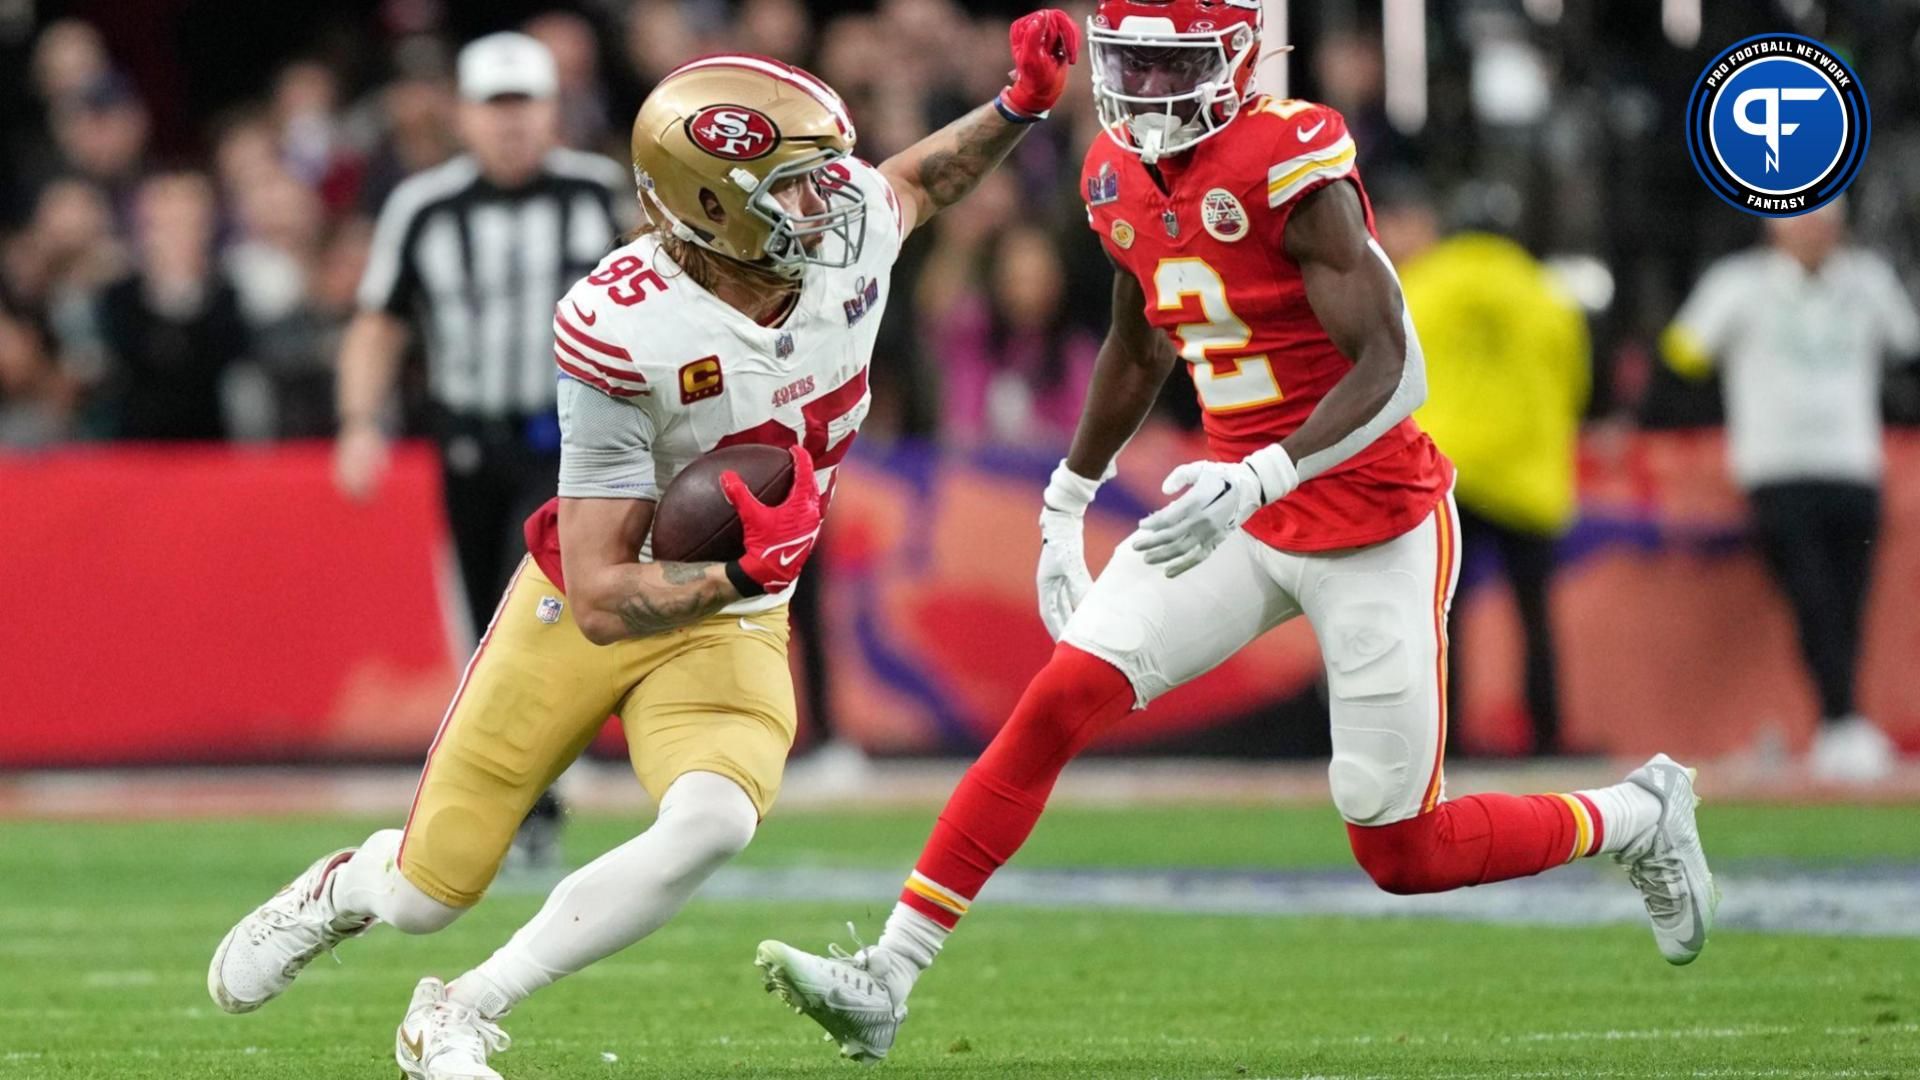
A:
<point x="694" y="521"/>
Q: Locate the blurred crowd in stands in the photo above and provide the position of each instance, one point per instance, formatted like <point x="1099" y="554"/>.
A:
<point x="184" y="217"/>
<point x="190" y="281"/>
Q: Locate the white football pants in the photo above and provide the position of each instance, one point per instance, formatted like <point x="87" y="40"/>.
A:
<point x="1379" y="613"/>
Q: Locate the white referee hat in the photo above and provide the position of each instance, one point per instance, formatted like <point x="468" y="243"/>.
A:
<point x="507" y="63"/>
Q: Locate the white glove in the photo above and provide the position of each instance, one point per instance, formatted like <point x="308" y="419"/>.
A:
<point x="1220" y="497"/>
<point x="1062" y="579"/>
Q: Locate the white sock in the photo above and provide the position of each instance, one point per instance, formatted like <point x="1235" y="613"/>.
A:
<point x="914" y="938"/>
<point x="619" y="898"/>
<point x="1627" y="811"/>
<point x="370" y="885"/>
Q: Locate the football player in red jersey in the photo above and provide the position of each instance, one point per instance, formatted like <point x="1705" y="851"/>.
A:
<point x="1243" y="244"/>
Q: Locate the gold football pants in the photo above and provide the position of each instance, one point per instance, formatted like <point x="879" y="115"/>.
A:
<point x="715" y="696"/>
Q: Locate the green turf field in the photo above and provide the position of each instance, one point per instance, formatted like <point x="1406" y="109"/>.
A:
<point x="105" y="931"/>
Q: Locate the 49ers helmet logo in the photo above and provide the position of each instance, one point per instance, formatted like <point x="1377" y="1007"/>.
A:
<point x="734" y="132"/>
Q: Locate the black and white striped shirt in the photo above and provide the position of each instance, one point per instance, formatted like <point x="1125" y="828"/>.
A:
<point x="478" y="269"/>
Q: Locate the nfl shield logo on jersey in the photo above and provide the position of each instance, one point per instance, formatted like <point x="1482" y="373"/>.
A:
<point x="1104" y="187"/>
<point x="549" y="610"/>
<point x="783" y="346"/>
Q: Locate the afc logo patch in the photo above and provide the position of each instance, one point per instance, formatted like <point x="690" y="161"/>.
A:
<point x="866" y="295"/>
<point x="549" y="610"/>
<point x="1103" y="187"/>
<point x="700" y="380"/>
<point x="1223" y="216"/>
<point x="734" y="132"/>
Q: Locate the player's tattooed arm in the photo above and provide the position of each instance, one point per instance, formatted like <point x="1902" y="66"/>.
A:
<point x="942" y="168"/>
<point x="1133" y="364"/>
<point x="613" y="596"/>
<point x="1355" y="295"/>
<point x="682" y="593"/>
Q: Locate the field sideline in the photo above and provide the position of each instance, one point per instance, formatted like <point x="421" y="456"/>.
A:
<point x="105" y="929"/>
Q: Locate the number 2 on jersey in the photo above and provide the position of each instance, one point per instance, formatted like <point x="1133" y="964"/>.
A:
<point x="1225" y="383"/>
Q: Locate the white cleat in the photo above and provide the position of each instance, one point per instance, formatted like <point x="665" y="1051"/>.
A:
<point x="1668" y="865"/>
<point x="860" y="999"/>
<point x="260" y="957"/>
<point x="1853" y="751"/>
<point x="445" y="1040"/>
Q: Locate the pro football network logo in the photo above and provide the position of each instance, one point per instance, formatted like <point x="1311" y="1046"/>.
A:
<point x="734" y="132"/>
<point x="1778" y="125"/>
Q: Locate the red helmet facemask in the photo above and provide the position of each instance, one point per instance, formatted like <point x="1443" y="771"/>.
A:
<point x="1167" y="74"/>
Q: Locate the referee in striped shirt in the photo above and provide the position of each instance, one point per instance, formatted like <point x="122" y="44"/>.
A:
<point x="473" y="255"/>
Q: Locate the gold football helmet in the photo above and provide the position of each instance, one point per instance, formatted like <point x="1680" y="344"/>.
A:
<point x="730" y="131"/>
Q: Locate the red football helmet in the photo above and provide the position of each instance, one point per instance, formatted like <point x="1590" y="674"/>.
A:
<point x="1169" y="73"/>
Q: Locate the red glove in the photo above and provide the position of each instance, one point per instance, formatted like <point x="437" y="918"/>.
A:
<point x="1044" y="43"/>
<point x="779" y="538"/>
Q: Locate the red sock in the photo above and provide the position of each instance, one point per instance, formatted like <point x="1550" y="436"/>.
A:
<point x="1476" y="839"/>
<point x="1066" y="706"/>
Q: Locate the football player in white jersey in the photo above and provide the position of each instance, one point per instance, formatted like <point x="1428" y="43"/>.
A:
<point x="745" y="310"/>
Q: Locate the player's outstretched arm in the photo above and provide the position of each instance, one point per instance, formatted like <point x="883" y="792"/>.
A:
<point x="939" y="170"/>
<point x="616" y="597"/>
<point x="1355" y="295"/>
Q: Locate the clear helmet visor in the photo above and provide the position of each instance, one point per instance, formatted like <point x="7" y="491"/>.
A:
<point x="816" y="214"/>
<point x="1164" y="91"/>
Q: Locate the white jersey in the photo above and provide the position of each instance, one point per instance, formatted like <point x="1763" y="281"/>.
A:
<point x="1803" y="355"/>
<point x="656" y="371"/>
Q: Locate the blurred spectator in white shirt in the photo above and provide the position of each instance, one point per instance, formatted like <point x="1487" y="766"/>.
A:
<point x="1803" y="330"/>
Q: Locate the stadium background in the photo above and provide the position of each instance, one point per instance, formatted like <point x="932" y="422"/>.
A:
<point x="213" y="666"/>
<point x="258" y="632"/>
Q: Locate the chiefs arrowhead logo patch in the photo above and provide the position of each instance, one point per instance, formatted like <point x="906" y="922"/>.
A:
<point x="1223" y="216"/>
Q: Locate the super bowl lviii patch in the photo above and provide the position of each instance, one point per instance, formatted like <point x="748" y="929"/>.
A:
<point x="1103" y="187"/>
<point x="1223" y="216"/>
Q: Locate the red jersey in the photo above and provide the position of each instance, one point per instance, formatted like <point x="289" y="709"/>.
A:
<point x="1210" y="257"/>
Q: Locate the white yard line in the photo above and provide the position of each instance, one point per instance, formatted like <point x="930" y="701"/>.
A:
<point x="1875" y="904"/>
<point x="609" y="787"/>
